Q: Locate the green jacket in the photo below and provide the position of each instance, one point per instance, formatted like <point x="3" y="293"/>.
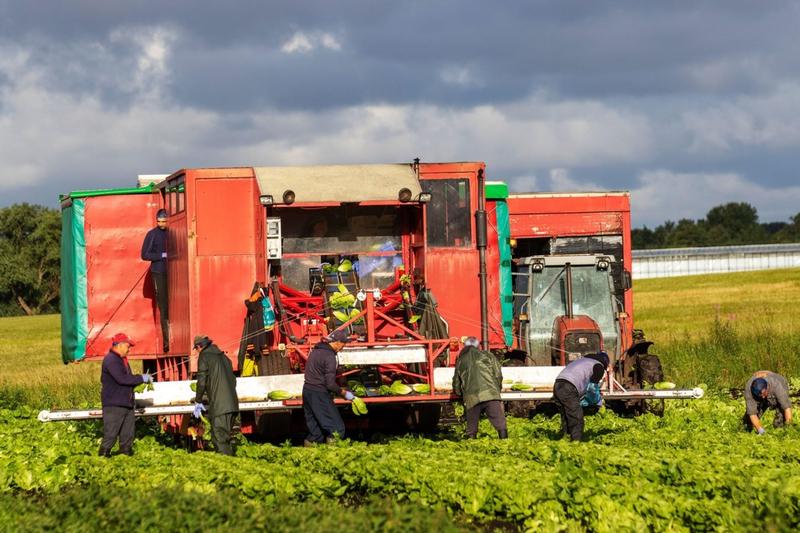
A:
<point x="215" y="379"/>
<point x="477" y="377"/>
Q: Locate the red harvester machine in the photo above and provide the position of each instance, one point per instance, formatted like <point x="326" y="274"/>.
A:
<point x="408" y="258"/>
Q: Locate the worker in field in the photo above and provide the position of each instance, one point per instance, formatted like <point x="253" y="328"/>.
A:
<point x="154" y="249"/>
<point x="478" y="379"/>
<point x="322" y="418"/>
<point x="215" y="380"/>
<point x="116" y="396"/>
<point x="579" y="379"/>
<point x="766" y="390"/>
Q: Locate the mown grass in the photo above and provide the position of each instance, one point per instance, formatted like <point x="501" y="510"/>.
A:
<point x="718" y="329"/>
<point x="714" y="329"/>
<point x="31" y="371"/>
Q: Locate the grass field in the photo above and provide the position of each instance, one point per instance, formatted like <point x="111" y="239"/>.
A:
<point x="714" y="329"/>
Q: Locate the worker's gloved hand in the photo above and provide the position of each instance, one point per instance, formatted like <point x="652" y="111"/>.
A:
<point x="147" y="378"/>
<point x="198" y="410"/>
<point x="349" y="396"/>
<point x="163" y="255"/>
<point x="761" y="431"/>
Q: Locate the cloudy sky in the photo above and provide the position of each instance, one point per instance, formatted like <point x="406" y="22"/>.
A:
<point x="686" y="104"/>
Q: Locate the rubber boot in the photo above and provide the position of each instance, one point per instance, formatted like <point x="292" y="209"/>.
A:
<point x="503" y="433"/>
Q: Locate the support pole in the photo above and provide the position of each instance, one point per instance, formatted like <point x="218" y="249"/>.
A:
<point x="481" y="240"/>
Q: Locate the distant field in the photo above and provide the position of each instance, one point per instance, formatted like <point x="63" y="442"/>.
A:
<point x="713" y="329"/>
<point x="718" y="329"/>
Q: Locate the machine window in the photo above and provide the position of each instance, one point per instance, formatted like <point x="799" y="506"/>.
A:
<point x="449" y="220"/>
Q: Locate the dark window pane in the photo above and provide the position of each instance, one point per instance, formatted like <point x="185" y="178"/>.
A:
<point x="448" y="213"/>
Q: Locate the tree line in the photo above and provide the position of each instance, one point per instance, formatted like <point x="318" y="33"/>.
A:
<point x="731" y="224"/>
<point x="30" y="247"/>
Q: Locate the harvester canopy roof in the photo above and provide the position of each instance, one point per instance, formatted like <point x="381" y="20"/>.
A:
<point x="339" y="183"/>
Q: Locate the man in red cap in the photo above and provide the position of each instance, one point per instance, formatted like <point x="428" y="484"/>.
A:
<point x="117" y="396"/>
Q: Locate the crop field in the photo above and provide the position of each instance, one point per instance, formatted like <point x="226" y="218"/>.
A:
<point x="694" y="469"/>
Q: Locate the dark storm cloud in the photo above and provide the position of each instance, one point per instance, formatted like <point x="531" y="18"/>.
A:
<point x="227" y="56"/>
<point x="564" y="94"/>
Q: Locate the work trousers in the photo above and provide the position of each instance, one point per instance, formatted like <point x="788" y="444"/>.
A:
<point x="494" y="412"/>
<point x="568" y="402"/>
<point x="322" y="417"/>
<point x="118" y="422"/>
<point x="162" y="300"/>
<point x="777" y="422"/>
<point x="221" y="427"/>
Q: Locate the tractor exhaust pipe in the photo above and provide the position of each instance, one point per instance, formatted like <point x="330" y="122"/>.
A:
<point x="568" y="277"/>
<point x="481" y="241"/>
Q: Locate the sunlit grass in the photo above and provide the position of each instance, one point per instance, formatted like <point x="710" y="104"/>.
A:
<point x="31" y="367"/>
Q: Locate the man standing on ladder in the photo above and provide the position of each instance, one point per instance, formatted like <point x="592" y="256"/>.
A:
<point x="154" y="249"/>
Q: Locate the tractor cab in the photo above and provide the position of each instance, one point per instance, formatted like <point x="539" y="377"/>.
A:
<point x="567" y="307"/>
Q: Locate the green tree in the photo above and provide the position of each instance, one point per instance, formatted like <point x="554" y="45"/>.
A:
<point x="736" y="223"/>
<point x="29" y="257"/>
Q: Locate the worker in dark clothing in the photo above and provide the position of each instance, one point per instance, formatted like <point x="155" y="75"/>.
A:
<point x="322" y="418"/>
<point x="766" y="390"/>
<point x="215" y="380"/>
<point x="478" y="379"/>
<point x="572" y="385"/>
<point x="154" y="249"/>
<point x="117" y="396"/>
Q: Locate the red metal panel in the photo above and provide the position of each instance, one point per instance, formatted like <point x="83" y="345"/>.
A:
<point x="567" y="215"/>
<point x="565" y="224"/>
<point x="120" y="294"/>
<point x="452" y="273"/>
<point x="178" y="265"/>
<point x="226" y="216"/>
<point x="223" y="257"/>
<point x="223" y="283"/>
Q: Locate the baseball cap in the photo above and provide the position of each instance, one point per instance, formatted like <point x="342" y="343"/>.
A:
<point x="338" y="336"/>
<point x="758" y="386"/>
<point x="121" y="337"/>
<point x="162" y="214"/>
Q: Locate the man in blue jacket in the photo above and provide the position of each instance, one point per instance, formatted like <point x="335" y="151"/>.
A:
<point x="322" y="418"/>
<point x="154" y="249"/>
<point x="117" y="396"/>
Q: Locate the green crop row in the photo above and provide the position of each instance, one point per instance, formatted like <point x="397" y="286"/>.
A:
<point x="695" y="469"/>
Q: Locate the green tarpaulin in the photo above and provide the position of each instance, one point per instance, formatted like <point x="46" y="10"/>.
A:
<point x="74" y="305"/>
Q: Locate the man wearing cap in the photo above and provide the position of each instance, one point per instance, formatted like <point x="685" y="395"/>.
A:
<point x="478" y="379"/>
<point x="322" y="418"/>
<point x="215" y="379"/>
<point x="766" y="390"/>
<point x="116" y="396"/>
<point x="572" y="385"/>
<point x="154" y="249"/>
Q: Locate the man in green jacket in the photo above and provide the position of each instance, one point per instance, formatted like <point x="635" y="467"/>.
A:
<point x="215" y="379"/>
<point x="478" y="379"/>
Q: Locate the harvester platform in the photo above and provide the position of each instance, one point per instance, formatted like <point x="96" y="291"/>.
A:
<point x="177" y="397"/>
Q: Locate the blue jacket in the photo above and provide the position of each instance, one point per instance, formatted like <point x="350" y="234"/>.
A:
<point x="117" y="382"/>
<point x="155" y="243"/>
<point x="320" y="374"/>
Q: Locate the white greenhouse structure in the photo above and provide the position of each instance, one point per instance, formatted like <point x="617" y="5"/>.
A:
<point x="671" y="262"/>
